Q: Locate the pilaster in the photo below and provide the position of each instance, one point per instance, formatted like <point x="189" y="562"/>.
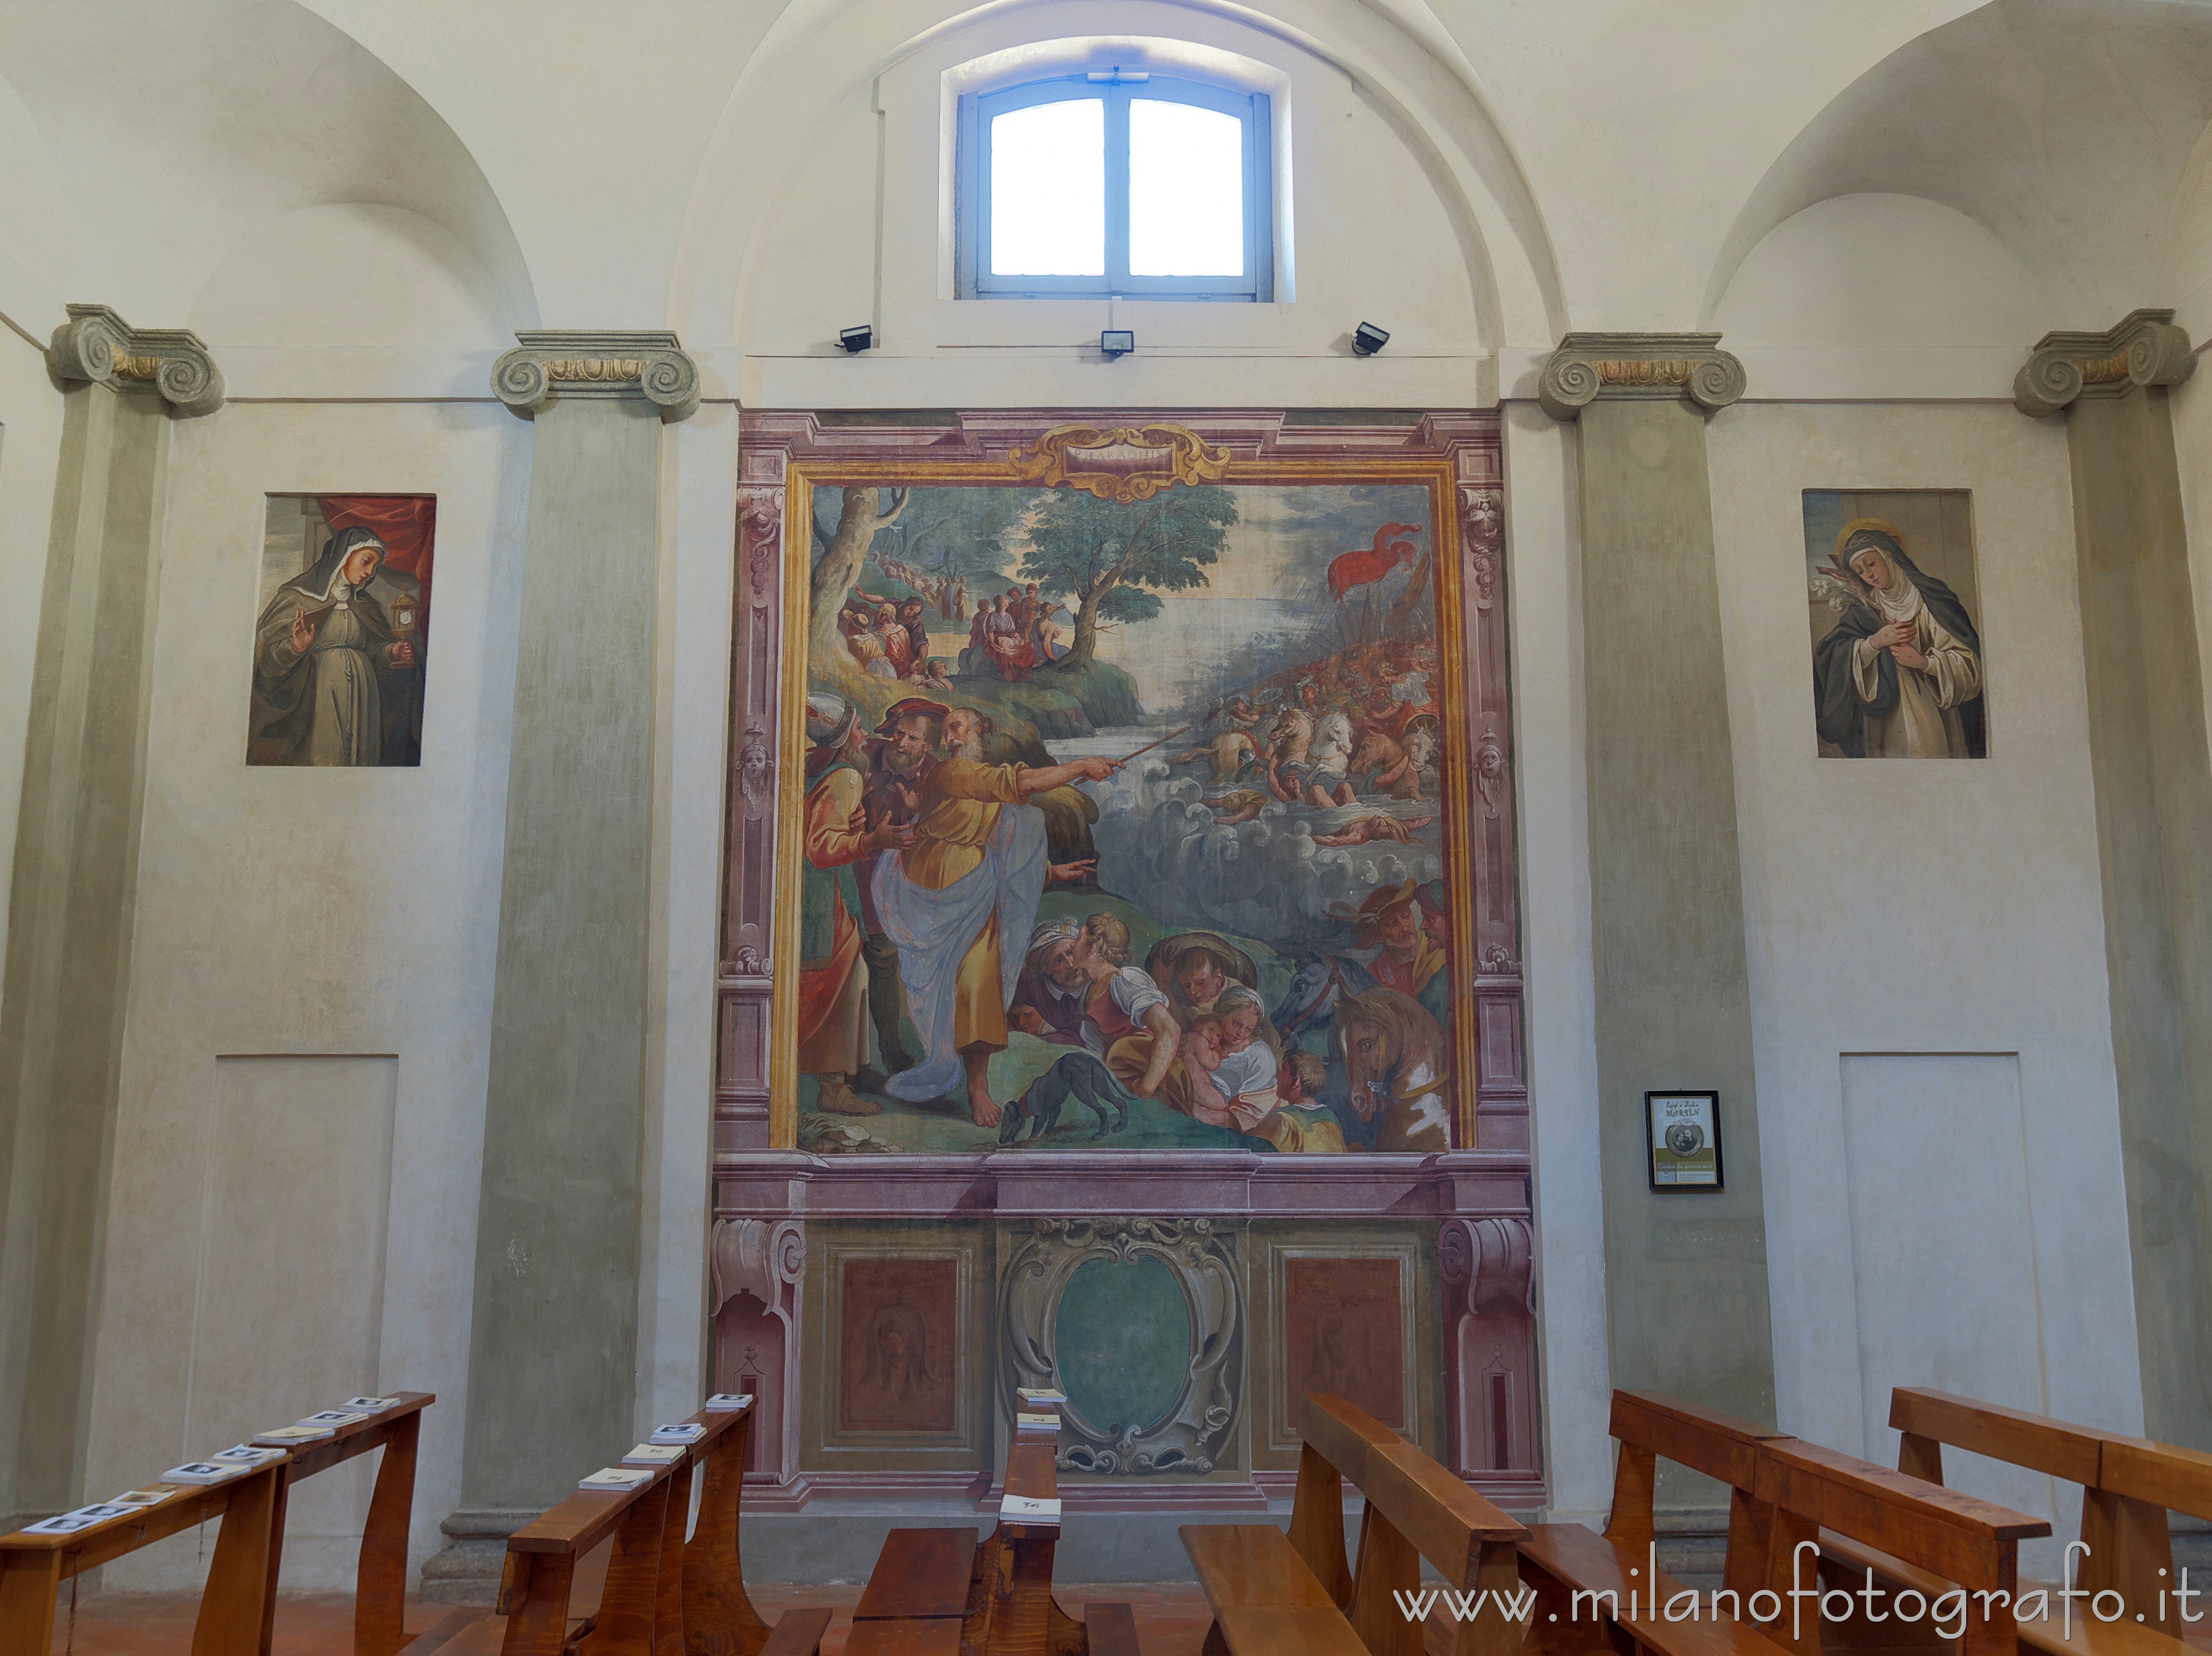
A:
<point x="553" y="1359"/>
<point x="74" y="878"/>
<point x="2154" y="783"/>
<point x="1686" y="1273"/>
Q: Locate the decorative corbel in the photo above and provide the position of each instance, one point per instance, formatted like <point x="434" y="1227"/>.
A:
<point x="2145" y="349"/>
<point x="1644" y="367"/>
<point x="97" y="346"/>
<point x="545" y="366"/>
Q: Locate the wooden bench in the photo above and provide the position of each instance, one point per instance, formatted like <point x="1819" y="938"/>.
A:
<point x="2128" y="1486"/>
<point x="1597" y="1592"/>
<point x="1910" y="1532"/>
<point x="1650" y="1427"/>
<point x="380" y="1578"/>
<point x="1297" y="1594"/>
<point x="239" y="1576"/>
<point x="665" y="1595"/>
<point x="996" y="1595"/>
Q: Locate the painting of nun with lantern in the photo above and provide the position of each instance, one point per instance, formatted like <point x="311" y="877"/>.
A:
<point x="1898" y="672"/>
<point x="339" y="650"/>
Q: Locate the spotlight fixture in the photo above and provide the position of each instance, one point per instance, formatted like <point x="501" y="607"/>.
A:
<point x="1367" y="339"/>
<point x="856" y="340"/>
<point x="1117" y="341"/>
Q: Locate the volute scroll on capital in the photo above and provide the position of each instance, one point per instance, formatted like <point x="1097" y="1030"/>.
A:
<point x="1643" y="367"/>
<point x="547" y="366"/>
<point x="2145" y="349"/>
<point x="98" y="347"/>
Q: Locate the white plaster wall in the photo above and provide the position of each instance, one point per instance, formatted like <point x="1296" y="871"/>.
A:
<point x="30" y="445"/>
<point x="691" y="776"/>
<point x="1888" y="296"/>
<point x="310" y="911"/>
<point x="2190" y="403"/>
<point x="1544" y="588"/>
<point x="858" y="229"/>
<point x="1932" y="907"/>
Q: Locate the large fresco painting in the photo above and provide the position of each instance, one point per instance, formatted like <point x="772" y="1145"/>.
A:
<point x="1125" y="812"/>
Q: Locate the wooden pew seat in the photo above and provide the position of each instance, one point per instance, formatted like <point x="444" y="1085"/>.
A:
<point x="1297" y="1593"/>
<point x="1559" y="1560"/>
<point x="1265" y="1601"/>
<point x="921" y="1574"/>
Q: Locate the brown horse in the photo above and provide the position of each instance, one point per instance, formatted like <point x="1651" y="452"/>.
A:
<point x="1395" y="1062"/>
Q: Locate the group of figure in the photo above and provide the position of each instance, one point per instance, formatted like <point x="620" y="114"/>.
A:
<point x="1365" y="721"/>
<point x="947" y="594"/>
<point x="919" y="857"/>
<point x="1013" y="632"/>
<point x="1189" y="1029"/>
<point x="889" y="638"/>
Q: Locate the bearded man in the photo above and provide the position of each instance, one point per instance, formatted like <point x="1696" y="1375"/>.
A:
<point x="972" y="877"/>
<point x="833" y="976"/>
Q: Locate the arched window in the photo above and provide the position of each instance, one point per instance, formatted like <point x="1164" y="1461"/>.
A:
<point x="1115" y="181"/>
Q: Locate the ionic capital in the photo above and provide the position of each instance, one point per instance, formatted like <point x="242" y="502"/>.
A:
<point x="2145" y="349"/>
<point x="96" y="345"/>
<point x="651" y="365"/>
<point x="1648" y="367"/>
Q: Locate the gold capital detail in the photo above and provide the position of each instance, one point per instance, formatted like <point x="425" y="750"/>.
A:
<point x="136" y="367"/>
<point x="1644" y="372"/>
<point x="604" y="369"/>
<point x="1121" y="463"/>
<point x="2103" y="370"/>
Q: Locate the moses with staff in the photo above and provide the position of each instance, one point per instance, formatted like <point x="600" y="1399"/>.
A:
<point x="960" y="901"/>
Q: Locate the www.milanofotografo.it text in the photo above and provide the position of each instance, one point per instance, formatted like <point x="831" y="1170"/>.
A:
<point x="1947" y="1612"/>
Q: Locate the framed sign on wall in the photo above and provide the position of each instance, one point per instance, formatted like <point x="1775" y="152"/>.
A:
<point x="1682" y="1141"/>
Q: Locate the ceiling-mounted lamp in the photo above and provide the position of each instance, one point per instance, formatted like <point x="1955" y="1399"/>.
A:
<point x="856" y="340"/>
<point x="1367" y="339"/>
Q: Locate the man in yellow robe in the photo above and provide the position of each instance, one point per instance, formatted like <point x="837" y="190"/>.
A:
<point x="971" y="878"/>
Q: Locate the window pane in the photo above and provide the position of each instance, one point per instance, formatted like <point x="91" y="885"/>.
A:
<point x="1048" y="190"/>
<point x="1185" y="190"/>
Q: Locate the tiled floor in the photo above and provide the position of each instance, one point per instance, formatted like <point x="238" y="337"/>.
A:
<point x="1172" y="1619"/>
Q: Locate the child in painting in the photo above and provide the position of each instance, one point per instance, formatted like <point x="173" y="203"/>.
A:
<point x="1239" y="1068"/>
<point x="1201" y="1055"/>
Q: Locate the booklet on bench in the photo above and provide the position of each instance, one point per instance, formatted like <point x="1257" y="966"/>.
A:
<point x="283" y="1437"/>
<point x="205" y="1471"/>
<point x="654" y="1454"/>
<point x="728" y="1403"/>
<point x="1036" y="1509"/>
<point x="679" y="1432"/>
<point x="616" y="1480"/>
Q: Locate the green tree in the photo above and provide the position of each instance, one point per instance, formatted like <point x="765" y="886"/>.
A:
<point x="1115" y="560"/>
<point x="955" y="531"/>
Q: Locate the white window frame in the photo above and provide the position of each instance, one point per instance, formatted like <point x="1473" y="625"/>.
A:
<point x="973" y="205"/>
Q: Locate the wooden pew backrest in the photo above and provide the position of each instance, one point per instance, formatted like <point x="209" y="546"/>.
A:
<point x="1970" y="1542"/>
<point x="1446" y="1522"/>
<point x="1416" y="1510"/>
<point x="1931" y="1419"/>
<point x="1650" y="1427"/>
<point x="1720" y="1445"/>
<point x="2158" y="1473"/>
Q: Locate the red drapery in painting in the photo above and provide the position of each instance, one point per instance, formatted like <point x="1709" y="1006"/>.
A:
<point x="406" y="524"/>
